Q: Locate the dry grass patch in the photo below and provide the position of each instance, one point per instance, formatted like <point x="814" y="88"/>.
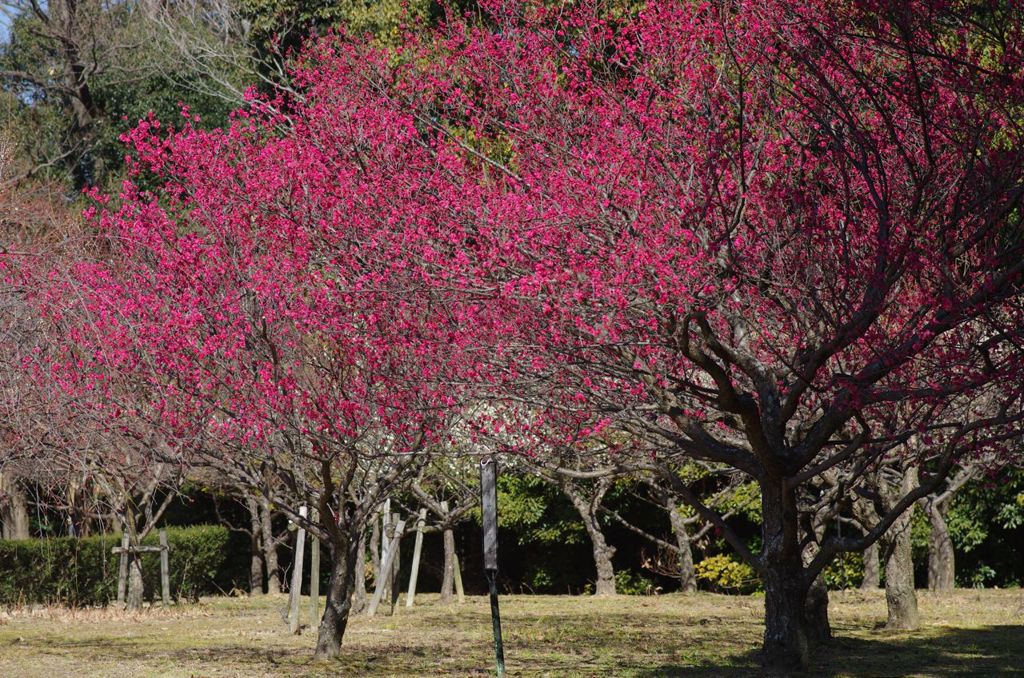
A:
<point x="969" y="633"/>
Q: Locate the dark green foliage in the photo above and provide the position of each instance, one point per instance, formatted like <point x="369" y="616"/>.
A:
<point x="845" y="572"/>
<point x="63" y="569"/>
<point x="197" y="555"/>
<point x="80" y="572"/>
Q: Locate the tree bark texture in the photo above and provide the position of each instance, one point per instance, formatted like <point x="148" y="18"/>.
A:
<point x="786" y="638"/>
<point x="344" y="554"/>
<point x="588" y="506"/>
<point x="269" y="544"/>
<point x="256" y="559"/>
<point x="941" y="556"/>
<point x="15" y="509"/>
<point x="900" y="597"/>
<point x="687" y="572"/>
<point x="448" y="575"/>
<point x="872" y="571"/>
<point x="133" y="601"/>
<point x="359" y="597"/>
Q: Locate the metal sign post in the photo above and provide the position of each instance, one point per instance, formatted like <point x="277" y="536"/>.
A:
<point x="489" y="510"/>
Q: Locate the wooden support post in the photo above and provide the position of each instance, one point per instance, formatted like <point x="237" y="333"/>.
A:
<point x="122" y="570"/>
<point x="459" y="591"/>
<point x="296" y="587"/>
<point x="165" y="570"/>
<point x="396" y="564"/>
<point x="385" y="541"/>
<point x="416" y="550"/>
<point x="385" y="566"/>
<point x="385" y="516"/>
<point x="314" y="577"/>
<point x="489" y="518"/>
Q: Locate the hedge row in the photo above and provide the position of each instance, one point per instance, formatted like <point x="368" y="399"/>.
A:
<point x="82" y="572"/>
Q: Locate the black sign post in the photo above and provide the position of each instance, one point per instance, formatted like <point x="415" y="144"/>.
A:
<point x="489" y="509"/>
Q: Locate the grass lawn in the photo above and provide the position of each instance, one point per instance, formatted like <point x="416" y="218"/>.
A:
<point x="969" y="633"/>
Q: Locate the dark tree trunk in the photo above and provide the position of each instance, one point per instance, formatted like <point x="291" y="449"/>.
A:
<point x="269" y="544"/>
<point x="872" y="572"/>
<point x="816" y="612"/>
<point x="786" y="643"/>
<point x="786" y="646"/>
<point x="687" y="573"/>
<point x="448" y="576"/>
<point x="941" y="556"/>
<point x="816" y="624"/>
<point x="900" y="597"/>
<point x="344" y="552"/>
<point x="359" y="597"/>
<point x="256" y="559"/>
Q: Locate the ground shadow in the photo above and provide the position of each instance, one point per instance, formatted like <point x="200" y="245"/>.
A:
<point x="984" y="651"/>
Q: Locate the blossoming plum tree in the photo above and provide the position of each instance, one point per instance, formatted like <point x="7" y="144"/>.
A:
<point x="740" y="232"/>
<point x="261" y="295"/>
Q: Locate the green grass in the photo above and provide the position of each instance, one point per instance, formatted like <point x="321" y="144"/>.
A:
<point x="969" y="633"/>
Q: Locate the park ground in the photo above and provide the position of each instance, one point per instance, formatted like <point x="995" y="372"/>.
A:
<point x="968" y="633"/>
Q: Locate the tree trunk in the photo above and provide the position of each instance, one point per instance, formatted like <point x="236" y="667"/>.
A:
<point x="872" y="572"/>
<point x="375" y="550"/>
<point x="816" y="622"/>
<point x="15" y="514"/>
<point x="786" y="645"/>
<point x="900" y="597"/>
<point x="269" y="546"/>
<point x="255" y="569"/>
<point x="344" y="554"/>
<point x="133" y="602"/>
<point x="448" y="576"/>
<point x="941" y="556"/>
<point x="359" y="597"/>
<point x="256" y="559"/>
<point x="605" y="583"/>
<point x="687" y="573"/>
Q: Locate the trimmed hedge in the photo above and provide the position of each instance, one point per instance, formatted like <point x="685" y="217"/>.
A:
<point x="81" y="572"/>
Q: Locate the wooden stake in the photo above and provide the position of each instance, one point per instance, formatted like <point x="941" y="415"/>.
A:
<point x="122" y="569"/>
<point x="165" y="570"/>
<point x="416" y="549"/>
<point x="296" y="587"/>
<point x="378" y="594"/>
<point x="459" y="591"/>
<point x="314" y="578"/>
<point x="396" y="564"/>
<point x="385" y="541"/>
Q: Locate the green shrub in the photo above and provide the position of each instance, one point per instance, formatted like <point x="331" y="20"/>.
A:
<point x="845" y="572"/>
<point x="539" y="579"/>
<point x="80" y="572"/>
<point x="196" y="553"/>
<point x="725" y="574"/>
<point x="630" y="583"/>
